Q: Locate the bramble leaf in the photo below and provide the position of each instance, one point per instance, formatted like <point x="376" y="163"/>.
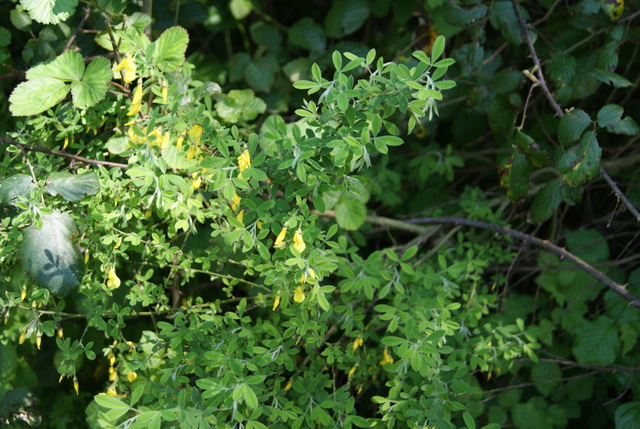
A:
<point x="170" y="49"/>
<point x="609" y="117"/>
<point x="36" y="96"/>
<point x="14" y="187"/>
<point x="350" y="213"/>
<point x="346" y="17"/>
<point x="50" y="11"/>
<point x="514" y="175"/>
<point x="68" y="67"/>
<point x="597" y="341"/>
<point x="581" y="163"/>
<point x="92" y="88"/>
<point x="72" y="187"/>
<point x="307" y="34"/>
<point x="572" y="125"/>
<point x="49" y="256"/>
<point x="240" y="105"/>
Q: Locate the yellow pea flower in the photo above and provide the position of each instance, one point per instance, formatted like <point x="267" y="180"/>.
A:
<point x="244" y="160"/>
<point x="276" y="302"/>
<point x="112" y="391"/>
<point x="165" y="91"/>
<point x="289" y="385"/>
<point x="23" y="293"/>
<point x="235" y="203"/>
<point x="358" y="342"/>
<point x="136" y="102"/>
<point x="86" y="256"/>
<point x="76" y="385"/>
<point x="298" y="295"/>
<point x="197" y="180"/>
<point x="127" y="65"/>
<point x="23" y="337"/>
<point x="196" y="133"/>
<point x="113" y="281"/>
<point x="132" y="376"/>
<point x="60" y="332"/>
<point x="38" y="341"/>
<point x="386" y="357"/>
<point x="279" y="243"/>
<point x="298" y="242"/>
<point x="352" y="371"/>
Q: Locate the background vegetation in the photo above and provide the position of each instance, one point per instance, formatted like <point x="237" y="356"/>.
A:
<point x="253" y="214"/>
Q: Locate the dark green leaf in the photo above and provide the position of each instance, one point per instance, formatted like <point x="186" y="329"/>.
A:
<point x="572" y="125"/>
<point x="515" y="175"/>
<point x="610" y="78"/>
<point x="461" y="16"/>
<point x="345" y="17"/>
<point x="72" y="187"/>
<point x="588" y="244"/>
<point x="581" y="163"/>
<point x="597" y="341"/>
<point x="258" y="75"/>
<point x="549" y="198"/>
<point x="49" y="256"/>
<point x="535" y="154"/>
<point x="561" y="68"/>
<point x="627" y="416"/>
<point x="609" y="117"/>
<point x="308" y="35"/>
<point x="265" y="34"/>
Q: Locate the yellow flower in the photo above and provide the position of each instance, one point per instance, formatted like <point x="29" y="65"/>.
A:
<point x="132" y="376"/>
<point x="197" y="180"/>
<point x="276" y="302"/>
<point x="240" y="217"/>
<point x="386" y="357"/>
<point x="23" y="336"/>
<point x="113" y="374"/>
<point x="112" y="391"/>
<point x="179" y="142"/>
<point x="113" y="281"/>
<point x="352" y="371"/>
<point x="165" y="91"/>
<point x="279" y="244"/>
<point x="76" y="386"/>
<point x="86" y="256"/>
<point x="359" y="389"/>
<point x="136" y="102"/>
<point x="23" y="293"/>
<point x="60" y="332"/>
<point x="298" y="242"/>
<point x="289" y="385"/>
<point x="196" y="133"/>
<point x="312" y="273"/>
<point x="298" y="295"/>
<point x="358" y="342"/>
<point x="38" y="341"/>
<point x="235" y="203"/>
<point x="129" y="66"/>
<point x="244" y="161"/>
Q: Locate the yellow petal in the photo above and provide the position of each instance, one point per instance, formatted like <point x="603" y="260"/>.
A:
<point x="276" y="302"/>
<point x="357" y="343"/>
<point x="38" y="341"/>
<point x="112" y="392"/>
<point x="165" y="91"/>
<point x="23" y="336"/>
<point x="289" y="384"/>
<point x="235" y="203"/>
<point x="298" y="242"/>
<point x="136" y="101"/>
<point x="132" y="376"/>
<point x="76" y="386"/>
<point x="279" y="243"/>
<point x="244" y="161"/>
<point x="352" y="371"/>
<point x="298" y="295"/>
<point x="113" y="281"/>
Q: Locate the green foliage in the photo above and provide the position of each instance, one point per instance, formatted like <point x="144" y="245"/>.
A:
<point x="221" y="227"/>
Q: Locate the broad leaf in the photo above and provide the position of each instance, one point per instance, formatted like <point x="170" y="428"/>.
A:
<point x="50" y="11"/>
<point x="597" y="341"/>
<point x="170" y="49"/>
<point x="572" y="125"/>
<point x="308" y="35"/>
<point x="561" y="68"/>
<point x="581" y="163"/>
<point x="515" y="175"/>
<point x="110" y="402"/>
<point x="14" y="187"/>
<point x="49" y="256"/>
<point x="610" y="118"/>
<point x="36" y="96"/>
<point x="258" y="74"/>
<point x="240" y="9"/>
<point x="588" y="244"/>
<point x="351" y="213"/>
<point x="93" y="87"/>
<point x="610" y="78"/>
<point x="240" y="105"/>
<point x="627" y="416"/>
<point x="72" y="187"/>
<point x="68" y="67"/>
<point x="459" y="16"/>
<point x="346" y="17"/>
<point x="549" y="198"/>
<point x="532" y="149"/>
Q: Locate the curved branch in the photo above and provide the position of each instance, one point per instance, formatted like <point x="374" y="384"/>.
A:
<point x="28" y="148"/>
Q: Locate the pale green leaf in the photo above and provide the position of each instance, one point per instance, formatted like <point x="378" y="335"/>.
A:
<point x="68" y="67"/>
<point x="50" y="11"/>
<point x="36" y="96"/>
<point x="239" y="106"/>
<point x="170" y="49"/>
<point x="351" y="213"/>
<point x="240" y="9"/>
<point x="14" y="187"/>
<point x="93" y="86"/>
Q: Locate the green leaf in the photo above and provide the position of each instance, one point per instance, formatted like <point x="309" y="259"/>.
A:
<point x="258" y="74"/>
<point x="14" y="187"/>
<point x="265" y="34"/>
<point x="250" y="397"/>
<point x="514" y="175"/>
<point x="437" y="49"/>
<point x="392" y="341"/>
<point x="240" y="105"/>
<point x="72" y="187"/>
<point x="609" y="117"/>
<point x="170" y="49"/>
<point x="240" y="9"/>
<point x="588" y="244"/>
<point x="49" y="256"/>
<point x="350" y="214"/>
<point x="345" y="17"/>
<point x="503" y="17"/>
<point x="459" y="16"/>
<point x="549" y="198"/>
<point x="627" y="416"/>
<point x="50" y="11"/>
<point x="307" y="34"/>
<point x="561" y="68"/>
<point x="36" y="96"/>
<point x="610" y="78"/>
<point x="596" y="341"/>
<point x="581" y="163"/>
<point x="543" y="373"/>
<point x="535" y="154"/>
<point x="68" y="67"/>
<point x="572" y="125"/>
<point x="468" y="420"/>
<point x="93" y="87"/>
<point x="110" y="402"/>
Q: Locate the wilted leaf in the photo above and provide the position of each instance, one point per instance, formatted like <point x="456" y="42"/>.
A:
<point x="581" y="163"/>
<point x="49" y="256"/>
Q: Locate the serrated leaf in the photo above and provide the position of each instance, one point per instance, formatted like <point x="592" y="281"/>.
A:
<point x="345" y="17"/>
<point x="49" y="256"/>
<point x="36" y="96"/>
<point x="93" y="87"/>
<point x="50" y="11"/>
<point x="265" y="34"/>
<point x="170" y="49"/>
<point x="68" y="67"/>
<point x="72" y="187"/>
<point x="627" y="416"/>
<point x="542" y="375"/>
<point x="14" y="187"/>
<point x="350" y="214"/>
<point x="572" y="125"/>
<point x="588" y="244"/>
<point x="561" y="68"/>
<point x="240" y="9"/>
<point x="514" y="175"/>
<point x="532" y="149"/>
<point x="610" y="118"/>
<point x="581" y="163"/>
<point x="596" y="341"/>
<point x="307" y="34"/>
<point x="549" y="198"/>
<point x="240" y="105"/>
<point x="610" y="78"/>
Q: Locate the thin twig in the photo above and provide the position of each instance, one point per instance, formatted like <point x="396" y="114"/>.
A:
<point x="87" y="12"/>
<point x="620" y="195"/>
<point x="28" y="148"/>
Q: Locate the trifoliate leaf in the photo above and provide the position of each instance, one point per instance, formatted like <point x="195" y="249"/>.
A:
<point x="610" y="118"/>
<point x="36" y="96"/>
<point x="72" y="187"/>
<point x="14" y="187"/>
<point x="170" y="49"/>
<point x="572" y="125"/>
<point x="581" y="163"/>
<point x="50" y="11"/>
<point x="93" y="87"/>
<point x="49" y="256"/>
<point x="350" y="214"/>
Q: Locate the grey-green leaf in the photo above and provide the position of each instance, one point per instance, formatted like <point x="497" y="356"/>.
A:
<point x="73" y="187"/>
<point x="49" y="256"/>
<point x="14" y="187"/>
